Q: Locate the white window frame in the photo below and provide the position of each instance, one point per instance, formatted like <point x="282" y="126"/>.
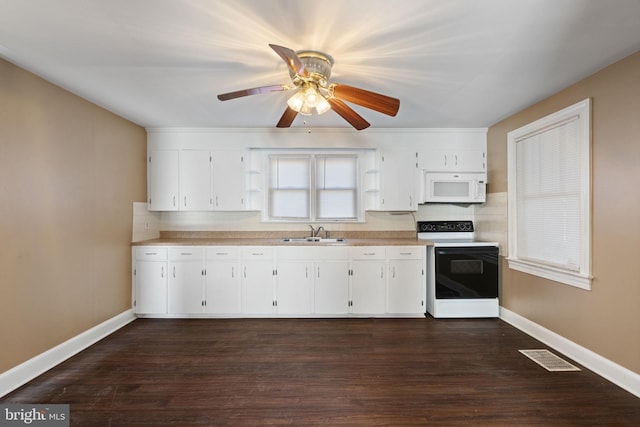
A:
<point x="312" y="155"/>
<point x="580" y="275"/>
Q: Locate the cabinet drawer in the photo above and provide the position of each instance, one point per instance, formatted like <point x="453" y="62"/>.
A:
<point x="151" y="253"/>
<point x="185" y="253"/>
<point x="223" y="252"/>
<point x="405" y="252"/>
<point x="258" y="252"/>
<point x="367" y="252"/>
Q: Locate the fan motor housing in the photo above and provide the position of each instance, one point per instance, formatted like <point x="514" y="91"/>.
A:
<point x="317" y="64"/>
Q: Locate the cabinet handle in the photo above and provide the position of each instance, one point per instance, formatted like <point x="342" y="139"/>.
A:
<point x="216" y="201"/>
<point x="369" y="253"/>
<point x="405" y="253"/>
<point x="174" y="271"/>
<point x="456" y="157"/>
<point x="222" y="253"/>
<point x="382" y="272"/>
<point x="410" y="201"/>
<point x="318" y="272"/>
<point x="306" y="272"/>
<point x="394" y="272"/>
<point x="445" y="160"/>
<point x="174" y="200"/>
<point x="233" y="272"/>
<point x="186" y="253"/>
<point x="185" y="201"/>
<point x="245" y="272"/>
<point x="162" y="272"/>
<point x="151" y="253"/>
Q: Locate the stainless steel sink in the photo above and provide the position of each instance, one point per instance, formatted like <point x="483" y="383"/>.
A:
<point x="313" y="239"/>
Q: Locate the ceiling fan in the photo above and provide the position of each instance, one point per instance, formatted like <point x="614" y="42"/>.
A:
<point x="309" y="71"/>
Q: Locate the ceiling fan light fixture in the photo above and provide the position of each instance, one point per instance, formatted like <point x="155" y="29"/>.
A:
<point x="323" y="105"/>
<point x="296" y="102"/>
<point x="308" y="98"/>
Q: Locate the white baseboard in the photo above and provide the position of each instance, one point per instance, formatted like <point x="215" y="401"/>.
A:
<point x="26" y="371"/>
<point x="607" y="369"/>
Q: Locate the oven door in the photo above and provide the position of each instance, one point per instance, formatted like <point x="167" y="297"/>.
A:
<point x="466" y="272"/>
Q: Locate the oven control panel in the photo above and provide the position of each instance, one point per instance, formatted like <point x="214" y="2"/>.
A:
<point x="444" y="226"/>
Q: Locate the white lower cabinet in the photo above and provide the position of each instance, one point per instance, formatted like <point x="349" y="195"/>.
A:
<point x="184" y="294"/>
<point x="222" y="280"/>
<point x="331" y="290"/>
<point x="312" y="280"/>
<point x="406" y="290"/>
<point x="368" y="280"/>
<point x="149" y="280"/>
<point x="294" y="287"/>
<point x="258" y="281"/>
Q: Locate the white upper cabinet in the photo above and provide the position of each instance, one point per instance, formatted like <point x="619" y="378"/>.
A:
<point x="228" y="180"/>
<point x="163" y="189"/>
<point x="195" y="180"/>
<point x="179" y="180"/>
<point x="459" y="151"/>
<point x="398" y="171"/>
<point x="454" y="160"/>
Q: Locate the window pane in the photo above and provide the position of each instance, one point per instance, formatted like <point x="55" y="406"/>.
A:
<point x="289" y="204"/>
<point x="336" y="172"/>
<point x="289" y="172"/>
<point x="337" y="204"/>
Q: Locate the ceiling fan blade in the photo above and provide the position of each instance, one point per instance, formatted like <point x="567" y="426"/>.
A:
<point x="291" y="58"/>
<point x="374" y="101"/>
<point x="348" y="114"/>
<point x="252" y="91"/>
<point x="287" y="118"/>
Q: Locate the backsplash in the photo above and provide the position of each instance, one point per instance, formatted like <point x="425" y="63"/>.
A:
<point x="490" y="220"/>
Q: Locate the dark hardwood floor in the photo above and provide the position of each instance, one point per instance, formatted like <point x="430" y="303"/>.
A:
<point x="324" y="372"/>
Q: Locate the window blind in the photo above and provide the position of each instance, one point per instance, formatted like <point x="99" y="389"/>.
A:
<point x="336" y="187"/>
<point x="548" y="179"/>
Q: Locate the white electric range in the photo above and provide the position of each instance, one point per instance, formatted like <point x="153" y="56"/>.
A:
<point x="462" y="272"/>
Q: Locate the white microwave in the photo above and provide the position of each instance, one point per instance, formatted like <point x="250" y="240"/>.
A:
<point x="454" y="187"/>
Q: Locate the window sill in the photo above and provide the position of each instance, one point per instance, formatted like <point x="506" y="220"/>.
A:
<point x="570" y="278"/>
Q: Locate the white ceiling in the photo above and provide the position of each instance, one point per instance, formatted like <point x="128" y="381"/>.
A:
<point x="453" y="63"/>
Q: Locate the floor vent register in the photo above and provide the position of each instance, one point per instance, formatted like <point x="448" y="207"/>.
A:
<point x="549" y="361"/>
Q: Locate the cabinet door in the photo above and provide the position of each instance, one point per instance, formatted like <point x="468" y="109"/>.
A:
<point x="397" y="181"/>
<point x="368" y="290"/>
<point x="294" y="281"/>
<point x="406" y="287"/>
<point x="222" y="287"/>
<point x="331" y="289"/>
<point x="256" y="281"/>
<point x="150" y="287"/>
<point x="406" y="284"/>
<point x="185" y="280"/>
<point x="460" y="160"/>
<point x="470" y="161"/>
<point x="228" y="180"/>
<point x="195" y="180"/>
<point x="163" y="180"/>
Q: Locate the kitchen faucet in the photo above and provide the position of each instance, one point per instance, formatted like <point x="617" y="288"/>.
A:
<point x="316" y="231"/>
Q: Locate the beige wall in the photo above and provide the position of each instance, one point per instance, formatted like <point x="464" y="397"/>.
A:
<point x="606" y="319"/>
<point x="69" y="173"/>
